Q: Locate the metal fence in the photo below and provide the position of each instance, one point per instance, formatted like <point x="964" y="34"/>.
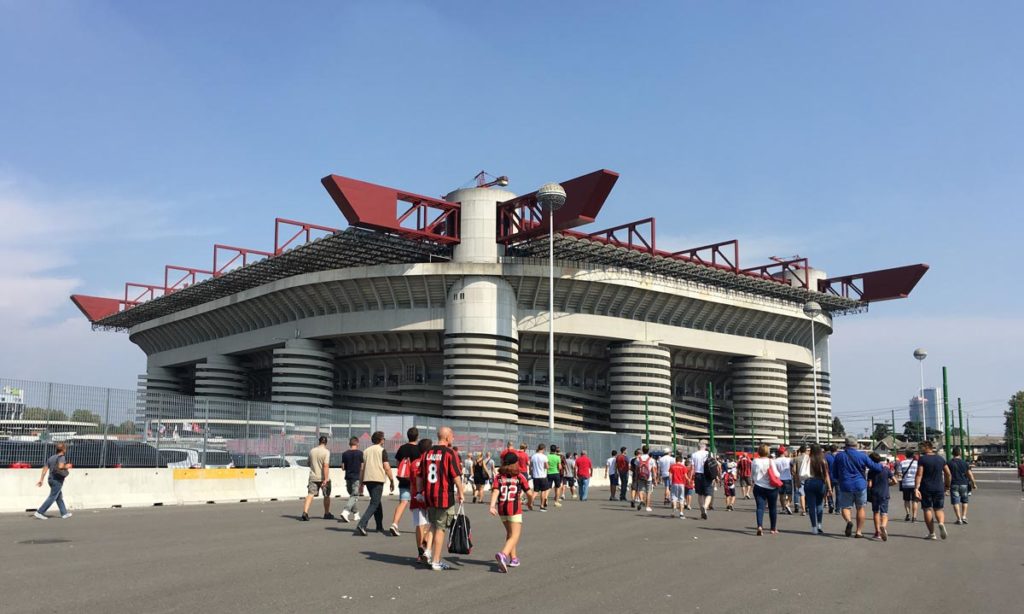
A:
<point x="110" y="427"/>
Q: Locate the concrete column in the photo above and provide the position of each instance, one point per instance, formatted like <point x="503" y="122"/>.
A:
<point x="159" y="394"/>
<point x="303" y="374"/>
<point x="478" y="223"/>
<point x="481" y="351"/>
<point x="760" y="396"/>
<point x="220" y="385"/>
<point x="640" y="372"/>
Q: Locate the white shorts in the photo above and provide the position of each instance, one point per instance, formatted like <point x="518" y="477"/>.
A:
<point x="419" y="518"/>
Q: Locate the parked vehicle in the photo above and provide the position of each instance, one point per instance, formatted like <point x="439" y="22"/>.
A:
<point x="267" y="462"/>
<point x="189" y="458"/>
<point x="24" y="454"/>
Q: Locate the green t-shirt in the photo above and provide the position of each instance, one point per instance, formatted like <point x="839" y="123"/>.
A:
<point x="554" y="461"/>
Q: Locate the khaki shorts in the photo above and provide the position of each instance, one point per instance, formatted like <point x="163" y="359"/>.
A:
<point x="313" y="488"/>
<point x="516" y="518"/>
<point x="440" y="517"/>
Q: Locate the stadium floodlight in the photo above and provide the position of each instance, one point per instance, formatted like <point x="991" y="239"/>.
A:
<point x="812" y="310"/>
<point x="920" y="354"/>
<point x="551" y="197"/>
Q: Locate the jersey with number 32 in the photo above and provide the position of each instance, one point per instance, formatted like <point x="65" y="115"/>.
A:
<point x="509" y="489"/>
<point x="440" y="467"/>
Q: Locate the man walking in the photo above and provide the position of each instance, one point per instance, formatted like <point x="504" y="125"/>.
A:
<point x="352" y="464"/>
<point x="830" y="497"/>
<point x="319" y="478"/>
<point x="376" y="470"/>
<point x="961" y="484"/>
<point x="584" y="469"/>
<point x="908" y="477"/>
<point x="554" y="474"/>
<point x="664" y="463"/>
<point x="784" y="467"/>
<point x="406" y="454"/>
<point x="744" y="468"/>
<point x="848" y="472"/>
<point x="622" y="469"/>
<point x="930" y="486"/>
<point x="646" y="472"/>
<point x="539" y="474"/>
<point x="441" y="471"/>
<point x="613" y="475"/>
<point x="704" y="485"/>
<point x="57" y="466"/>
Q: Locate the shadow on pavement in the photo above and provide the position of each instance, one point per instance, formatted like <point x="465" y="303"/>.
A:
<point x="404" y="561"/>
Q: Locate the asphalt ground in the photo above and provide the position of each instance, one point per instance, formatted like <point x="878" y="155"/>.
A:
<point x="597" y="556"/>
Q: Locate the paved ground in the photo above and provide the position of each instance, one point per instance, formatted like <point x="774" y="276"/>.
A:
<point x="585" y="557"/>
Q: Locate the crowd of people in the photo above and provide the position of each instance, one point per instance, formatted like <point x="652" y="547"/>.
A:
<point x="434" y="477"/>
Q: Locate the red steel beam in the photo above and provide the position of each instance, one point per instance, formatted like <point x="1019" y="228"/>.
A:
<point x="240" y="252"/>
<point x="95" y="308"/>
<point x="521" y="218"/>
<point x="874" y="286"/>
<point x="377" y="207"/>
<point x="713" y="255"/>
<point x="190" y="275"/>
<point x="148" y="292"/>
<point x="631" y="235"/>
<point x="786" y="266"/>
<point x="303" y="228"/>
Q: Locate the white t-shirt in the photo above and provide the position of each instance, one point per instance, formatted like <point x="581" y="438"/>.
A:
<point x="782" y="468"/>
<point x="609" y="465"/>
<point x="539" y="465"/>
<point x="909" y="470"/>
<point x="759" y="472"/>
<point x="698" y="458"/>
<point x="664" y="463"/>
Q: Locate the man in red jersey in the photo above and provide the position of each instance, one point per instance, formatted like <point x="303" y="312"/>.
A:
<point x="524" y="459"/>
<point x="442" y="488"/>
<point x="584" y="470"/>
<point x="744" y="469"/>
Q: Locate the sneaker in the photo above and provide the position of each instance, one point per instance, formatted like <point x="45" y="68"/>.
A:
<point x="703" y="514"/>
<point x="914" y="519"/>
<point x="965" y="521"/>
<point x="958" y="521"/>
<point x="931" y="536"/>
<point x="356" y="517"/>
<point x="361" y="531"/>
<point x="305" y="517"/>
<point x="543" y="509"/>
<point x="849" y="529"/>
<point x="394" y="530"/>
<point x="775" y="531"/>
<point x="728" y="508"/>
<point x="885" y="534"/>
<point x="760" y="531"/>
<point x="632" y="504"/>
<point x="611" y="498"/>
<point x="346" y="516"/>
<point x="682" y="515"/>
<point x="39" y="516"/>
<point x="942" y="531"/>
<point x="502" y="562"/>
<point x="328" y="516"/>
<point x="558" y="504"/>
<point x="514" y="562"/>
<point x="906" y="518"/>
<point x="877" y="535"/>
<point x="814" y="530"/>
<point x="649" y="509"/>
<point x="440" y="566"/>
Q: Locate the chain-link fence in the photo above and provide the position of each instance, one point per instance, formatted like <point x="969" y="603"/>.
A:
<point x="109" y="427"/>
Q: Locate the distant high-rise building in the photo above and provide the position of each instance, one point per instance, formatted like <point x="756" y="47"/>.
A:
<point x="931" y="402"/>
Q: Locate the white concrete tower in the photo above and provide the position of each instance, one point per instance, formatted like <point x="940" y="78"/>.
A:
<point x="760" y="396"/>
<point x="478" y="223"/>
<point x="220" y="384"/>
<point x="481" y="350"/>
<point x="641" y="372"/>
<point x="160" y="394"/>
<point x="303" y="376"/>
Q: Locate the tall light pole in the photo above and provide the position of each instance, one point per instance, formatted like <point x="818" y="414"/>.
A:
<point x="920" y="354"/>
<point x="551" y="197"/>
<point x="813" y="310"/>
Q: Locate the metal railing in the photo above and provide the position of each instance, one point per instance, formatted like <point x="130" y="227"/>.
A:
<point x="111" y="427"/>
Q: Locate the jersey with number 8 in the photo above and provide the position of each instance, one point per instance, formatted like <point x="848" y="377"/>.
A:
<point x="509" y="487"/>
<point x="440" y="468"/>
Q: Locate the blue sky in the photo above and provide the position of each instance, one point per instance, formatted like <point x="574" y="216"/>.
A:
<point x="862" y="135"/>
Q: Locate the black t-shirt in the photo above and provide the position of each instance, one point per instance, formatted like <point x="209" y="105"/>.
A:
<point x="410" y="451"/>
<point x="352" y="461"/>
<point x="958" y="469"/>
<point x="933" y="479"/>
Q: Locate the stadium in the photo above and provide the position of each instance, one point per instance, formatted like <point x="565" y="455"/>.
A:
<point x="440" y="307"/>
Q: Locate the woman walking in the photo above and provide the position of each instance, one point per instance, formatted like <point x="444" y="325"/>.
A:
<point x="507" y="505"/>
<point x="480" y="476"/>
<point x="817" y="487"/>
<point x="765" y="493"/>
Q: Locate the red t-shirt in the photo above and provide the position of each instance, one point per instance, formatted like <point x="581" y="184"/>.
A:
<point x="509" y="489"/>
<point x="440" y="467"/>
<point x="728" y="479"/>
<point x="524" y="461"/>
<point x="414" y="471"/>
<point x="583" y="467"/>
<point x="1020" y="470"/>
<point x="744" y="467"/>
<point x="679" y="473"/>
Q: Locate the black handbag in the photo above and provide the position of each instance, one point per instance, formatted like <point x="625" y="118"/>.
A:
<point x="460" y="537"/>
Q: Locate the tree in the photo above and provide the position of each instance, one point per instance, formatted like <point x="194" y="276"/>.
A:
<point x="38" y="413"/>
<point x="881" y="432"/>
<point x="838" y="430"/>
<point x="84" y="415"/>
<point x="912" y="431"/>
<point x="1018" y="400"/>
<point x="125" y="428"/>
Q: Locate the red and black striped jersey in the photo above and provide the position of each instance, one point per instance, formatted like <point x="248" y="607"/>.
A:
<point x="415" y="503"/>
<point x="509" y="489"/>
<point x="440" y="467"/>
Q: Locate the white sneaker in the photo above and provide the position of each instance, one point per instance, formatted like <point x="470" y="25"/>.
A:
<point x="40" y="516"/>
<point x="649" y="510"/>
<point x="346" y="516"/>
<point x="66" y="516"/>
<point x="356" y="517"/>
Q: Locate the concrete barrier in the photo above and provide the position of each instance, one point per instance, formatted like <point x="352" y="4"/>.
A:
<point x="106" y="488"/>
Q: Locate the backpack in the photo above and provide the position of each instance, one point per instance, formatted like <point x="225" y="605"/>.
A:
<point x="621" y="464"/>
<point x="712" y="468"/>
<point x="404" y="469"/>
<point x="460" y="538"/>
<point x="643" y="469"/>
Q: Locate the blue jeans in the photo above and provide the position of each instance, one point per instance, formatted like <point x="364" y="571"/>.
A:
<point x="55" y="495"/>
<point x="374" y="508"/>
<point x="623" y="485"/>
<point x="814" y="493"/>
<point x="766" y="497"/>
<point x="353" y="487"/>
<point x="584" y="488"/>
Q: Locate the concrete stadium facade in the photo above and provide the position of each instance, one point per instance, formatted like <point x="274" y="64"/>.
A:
<point x="464" y="336"/>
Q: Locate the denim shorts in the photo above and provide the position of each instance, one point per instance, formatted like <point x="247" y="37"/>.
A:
<point x="404" y="494"/>
<point x="959" y="493"/>
<point x="847" y="500"/>
<point x="932" y="499"/>
<point x="879" y="506"/>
